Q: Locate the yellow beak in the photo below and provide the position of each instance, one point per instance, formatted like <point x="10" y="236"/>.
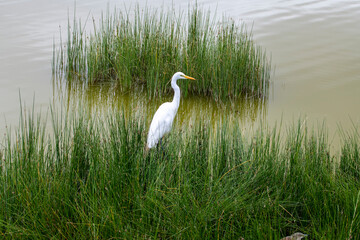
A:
<point x="191" y="78"/>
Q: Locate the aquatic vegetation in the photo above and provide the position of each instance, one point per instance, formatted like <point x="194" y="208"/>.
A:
<point x="86" y="176"/>
<point x="143" y="48"/>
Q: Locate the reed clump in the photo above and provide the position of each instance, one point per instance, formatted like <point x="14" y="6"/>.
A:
<point x="87" y="177"/>
<point x="143" y="48"/>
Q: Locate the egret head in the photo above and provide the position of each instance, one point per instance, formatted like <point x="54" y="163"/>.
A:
<point x="180" y="75"/>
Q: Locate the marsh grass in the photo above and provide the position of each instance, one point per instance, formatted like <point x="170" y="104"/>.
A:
<point x="143" y="48"/>
<point x="87" y="177"/>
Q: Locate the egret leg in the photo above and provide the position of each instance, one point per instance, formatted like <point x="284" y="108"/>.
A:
<point x="160" y="143"/>
<point x="161" y="147"/>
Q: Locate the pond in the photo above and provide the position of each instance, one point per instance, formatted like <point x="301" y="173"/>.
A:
<point x="314" y="47"/>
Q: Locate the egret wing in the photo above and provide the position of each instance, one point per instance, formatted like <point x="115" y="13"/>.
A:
<point x="160" y="124"/>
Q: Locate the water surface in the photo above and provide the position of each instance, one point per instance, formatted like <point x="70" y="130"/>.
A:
<point x="314" y="47"/>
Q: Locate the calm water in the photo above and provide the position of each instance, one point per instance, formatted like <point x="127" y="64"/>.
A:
<point x="314" y="47"/>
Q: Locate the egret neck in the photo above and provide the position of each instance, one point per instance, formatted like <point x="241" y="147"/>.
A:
<point x="176" y="100"/>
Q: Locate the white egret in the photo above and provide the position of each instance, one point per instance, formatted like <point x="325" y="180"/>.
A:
<point x="164" y="116"/>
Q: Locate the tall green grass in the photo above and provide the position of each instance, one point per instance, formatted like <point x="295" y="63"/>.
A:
<point x="143" y="48"/>
<point x="87" y="177"/>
